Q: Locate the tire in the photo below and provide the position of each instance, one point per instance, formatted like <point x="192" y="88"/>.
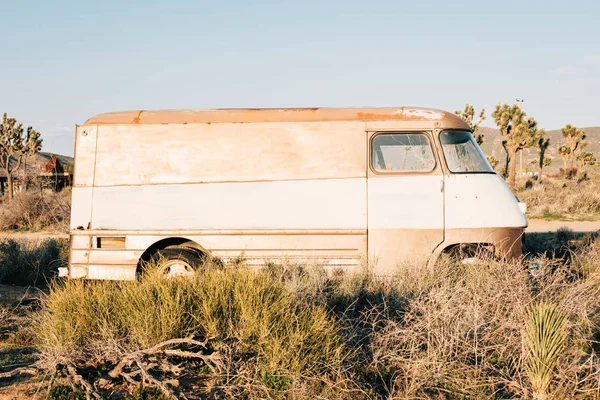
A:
<point x="177" y="261"/>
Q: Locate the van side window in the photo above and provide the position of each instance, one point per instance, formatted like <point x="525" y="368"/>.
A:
<point x="402" y="152"/>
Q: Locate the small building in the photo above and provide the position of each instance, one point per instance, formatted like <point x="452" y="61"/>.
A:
<point x="42" y="170"/>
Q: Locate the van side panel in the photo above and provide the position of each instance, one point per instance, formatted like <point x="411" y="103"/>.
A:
<point x="229" y="152"/>
<point x="406" y="219"/>
<point x="261" y="191"/>
<point x="302" y="204"/>
<point x="481" y="201"/>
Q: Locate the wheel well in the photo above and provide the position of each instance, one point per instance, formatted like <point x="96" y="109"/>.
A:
<point x="482" y="245"/>
<point x="163" y="244"/>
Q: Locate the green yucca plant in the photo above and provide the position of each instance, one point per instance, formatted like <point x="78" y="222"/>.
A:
<point x="545" y="338"/>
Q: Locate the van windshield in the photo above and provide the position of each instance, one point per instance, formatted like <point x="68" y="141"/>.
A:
<point x="462" y="153"/>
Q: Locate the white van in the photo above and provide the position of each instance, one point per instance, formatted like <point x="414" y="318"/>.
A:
<point x="334" y="186"/>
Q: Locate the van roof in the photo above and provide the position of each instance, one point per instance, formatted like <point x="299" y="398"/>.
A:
<point x="276" y="115"/>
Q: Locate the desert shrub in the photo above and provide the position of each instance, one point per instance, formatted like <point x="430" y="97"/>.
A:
<point x="270" y="340"/>
<point x="31" y="262"/>
<point x="465" y="334"/>
<point x="36" y="211"/>
<point x="545" y="338"/>
<point x="558" y="199"/>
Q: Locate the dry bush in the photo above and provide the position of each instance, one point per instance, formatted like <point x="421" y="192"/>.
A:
<point x="269" y="343"/>
<point x="36" y="211"/>
<point x="27" y="263"/>
<point x="559" y="199"/>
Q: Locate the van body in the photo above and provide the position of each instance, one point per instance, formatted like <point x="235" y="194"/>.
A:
<point x="338" y="187"/>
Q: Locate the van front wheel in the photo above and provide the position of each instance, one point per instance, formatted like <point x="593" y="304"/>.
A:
<point x="177" y="261"/>
<point x="471" y="253"/>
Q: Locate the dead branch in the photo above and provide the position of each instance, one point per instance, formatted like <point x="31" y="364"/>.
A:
<point x="78" y="379"/>
<point x="18" y="371"/>
<point x="153" y="381"/>
<point x="129" y="358"/>
<point x="214" y="359"/>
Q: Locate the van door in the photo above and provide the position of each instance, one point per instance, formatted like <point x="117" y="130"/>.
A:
<point x="405" y="199"/>
<point x="479" y="204"/>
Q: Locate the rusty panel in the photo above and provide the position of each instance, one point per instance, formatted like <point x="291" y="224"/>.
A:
<point x="275" y="115"/>
<point x="390" y="247"/>
<point x="507" y="241"/>
<point x="200" y="153"/>
<point x="85" y="155"/>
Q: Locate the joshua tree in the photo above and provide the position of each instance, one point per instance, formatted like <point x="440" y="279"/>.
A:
<point x="586" y="159"/>
<point x="518" y="131"/>
<point x="564" y="152"/>
<point x="15" y="146"/>
<point x="542" y="146"/>
<point x="573" y="138"/>
<point x="468" y="115"/>
<point x="493" y="161"/>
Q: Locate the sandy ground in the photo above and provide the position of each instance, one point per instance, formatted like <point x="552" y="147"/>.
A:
<point x="553" y="226"/>
<point x="33" y="235"/>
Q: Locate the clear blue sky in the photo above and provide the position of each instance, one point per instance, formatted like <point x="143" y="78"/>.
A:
<point x="64" y="61"/>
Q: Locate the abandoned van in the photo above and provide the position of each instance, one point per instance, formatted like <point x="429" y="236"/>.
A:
<point x="339" y="187"/>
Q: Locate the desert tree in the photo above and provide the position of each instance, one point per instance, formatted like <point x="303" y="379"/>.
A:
<point x="468" y="115"/>
<point x="15" y="145"/>
<point x="493" y="161"/>
<point x="518" y="132"/>
<point x="585" y="159"/>
<point x="573" y="138"/>
<point x="543" y="144"/>
<point x="564" y="151"/>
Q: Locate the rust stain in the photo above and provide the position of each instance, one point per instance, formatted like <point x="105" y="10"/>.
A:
<point x="137" y="118"/>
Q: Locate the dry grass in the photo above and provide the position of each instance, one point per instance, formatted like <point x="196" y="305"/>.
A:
<point x="452" y="332"/>
<point x="562" y="199"/>
<point x="270" y="342"/>
<point x="26" y="263"/>
<point x="36" y="210"/>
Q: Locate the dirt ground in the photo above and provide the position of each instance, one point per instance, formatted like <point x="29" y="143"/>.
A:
<point x="16" y="350"/>
<point x="536" y="225"/>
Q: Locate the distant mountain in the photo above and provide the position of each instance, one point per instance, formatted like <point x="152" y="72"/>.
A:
<point x="492" y="146"/>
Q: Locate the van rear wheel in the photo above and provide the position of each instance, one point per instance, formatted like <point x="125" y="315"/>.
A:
<point x="177" y="261"/>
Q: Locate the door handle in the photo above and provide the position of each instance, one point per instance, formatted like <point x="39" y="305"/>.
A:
<point x="441" y="186"/>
